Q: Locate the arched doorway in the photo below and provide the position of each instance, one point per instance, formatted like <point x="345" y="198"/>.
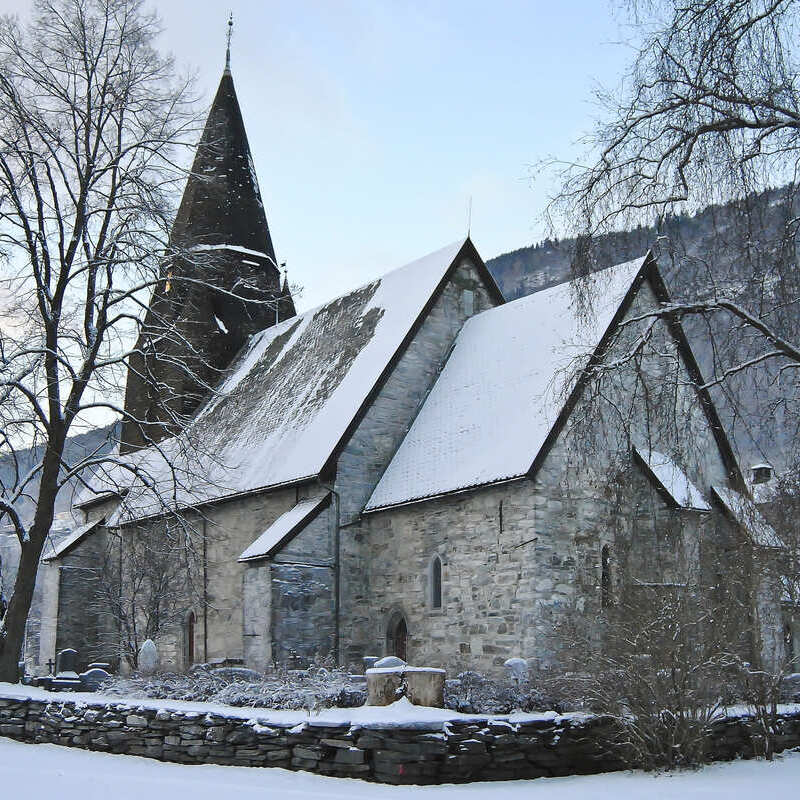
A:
<point x="397" y="637"/>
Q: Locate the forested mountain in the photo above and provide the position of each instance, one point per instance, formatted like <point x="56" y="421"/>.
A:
<point x="717" y="236"/>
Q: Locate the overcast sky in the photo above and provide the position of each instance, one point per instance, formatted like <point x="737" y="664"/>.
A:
<point x="372" y="122"/>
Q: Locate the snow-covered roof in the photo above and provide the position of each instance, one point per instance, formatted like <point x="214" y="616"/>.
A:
<point x="501" y="391"/>
<point x="672" y="479"/>
<point x="290" y="397"/>
<point x="286" y="526"/>
<point x="749" y="518"/>
<point x="62" y="545"/>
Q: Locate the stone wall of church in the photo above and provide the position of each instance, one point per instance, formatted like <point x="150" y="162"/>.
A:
<point x="230" y="527"/>
<point x="42" y="631"/>
<point x="514" y="557"/>
<point x="257" y="615"/>
<point x="83" y="622"/>
<point x="257" y="611"/>
<point x="303" y="584"/>
<point x="508" y="554"/>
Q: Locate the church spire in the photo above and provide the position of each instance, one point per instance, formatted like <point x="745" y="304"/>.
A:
<point x="221" y="241"/>
<point x="222" y="203"/>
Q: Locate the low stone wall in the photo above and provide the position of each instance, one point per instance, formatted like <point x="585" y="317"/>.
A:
<point x="464" y="749"/>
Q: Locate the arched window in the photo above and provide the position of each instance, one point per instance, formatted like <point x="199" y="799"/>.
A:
<point x="397" y="636"/>
<point x="436" y="582"/>
<point x="605" y="577"/>
<point x="190" y="623"/>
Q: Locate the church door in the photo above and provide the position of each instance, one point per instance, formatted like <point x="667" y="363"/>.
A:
<point x="398" y="638"/>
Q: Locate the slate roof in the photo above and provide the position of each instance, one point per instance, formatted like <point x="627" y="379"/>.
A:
<point x="285" y="527"/>
<point x="501" y="391"/>
<point x="222" y="204"/>
<point x="290" y="397"/>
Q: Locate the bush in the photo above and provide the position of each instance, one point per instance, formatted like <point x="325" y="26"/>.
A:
<point x="473" y="693"/>
<point x="311" y="689"/>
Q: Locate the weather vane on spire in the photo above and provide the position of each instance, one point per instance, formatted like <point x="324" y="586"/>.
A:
<point x="228" y="51"/>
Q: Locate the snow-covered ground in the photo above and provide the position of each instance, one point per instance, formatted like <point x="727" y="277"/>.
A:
<point x="43" y="770"/>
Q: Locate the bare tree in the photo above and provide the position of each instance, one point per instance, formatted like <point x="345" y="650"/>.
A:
<point x="709" y="112"/>
<point x="92" y="119"/>
<point x="143" y="584"/>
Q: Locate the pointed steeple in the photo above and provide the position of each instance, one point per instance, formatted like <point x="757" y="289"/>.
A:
<point x="286" y="302"/>
<point x="195" y="327"/>
<point x="222" y="203"/>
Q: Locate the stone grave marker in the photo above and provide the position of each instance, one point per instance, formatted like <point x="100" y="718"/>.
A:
<point x="148" y="657"/>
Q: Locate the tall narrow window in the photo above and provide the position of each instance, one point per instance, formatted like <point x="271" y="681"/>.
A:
<point x="605" y="576"/>
<point x="468" y="302"/>
<point x="436" y="582"/>
<point x="190" y="639"/>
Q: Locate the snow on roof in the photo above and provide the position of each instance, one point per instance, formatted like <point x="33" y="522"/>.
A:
<point x="284" y="527"/>
<point x="672" y="479"/>
<point x="501" y="391"/>
<point x="290" y="397"/>
<point x="60" y="547"/>
<point x="749" y="518"/>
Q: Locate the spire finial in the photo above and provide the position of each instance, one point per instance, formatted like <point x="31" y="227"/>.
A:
<point x="228" y="51"/>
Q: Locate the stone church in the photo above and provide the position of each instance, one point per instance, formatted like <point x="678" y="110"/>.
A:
<point x="414" y="468"/>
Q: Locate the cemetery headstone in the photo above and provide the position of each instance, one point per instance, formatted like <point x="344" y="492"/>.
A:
<point x="92" y="678"/>
<point x="148" y="657"/>
<point x="67" y="663"/>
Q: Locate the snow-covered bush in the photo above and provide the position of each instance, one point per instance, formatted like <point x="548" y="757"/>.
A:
<point x="472" y="693"/>
<point x="313" y="688"/>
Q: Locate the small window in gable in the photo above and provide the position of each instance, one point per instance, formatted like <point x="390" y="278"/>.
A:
<point x="436" y="582"/>
<point x="468" y="302"/>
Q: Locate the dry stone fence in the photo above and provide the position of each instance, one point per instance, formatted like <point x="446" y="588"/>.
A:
<point x="457" y="750"/>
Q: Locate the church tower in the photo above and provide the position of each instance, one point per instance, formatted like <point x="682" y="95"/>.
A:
<point x="220" y="282"/>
